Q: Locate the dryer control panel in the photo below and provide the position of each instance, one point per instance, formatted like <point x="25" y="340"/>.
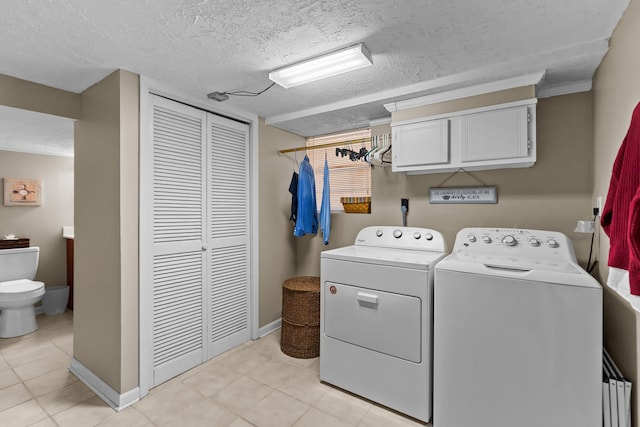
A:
<point x="422" y="239"/>
<point x="521" y="243"/>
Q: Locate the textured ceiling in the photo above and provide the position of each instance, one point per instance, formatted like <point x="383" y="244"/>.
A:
<point x="200" y="46"/>
<point x="38" y="133"/>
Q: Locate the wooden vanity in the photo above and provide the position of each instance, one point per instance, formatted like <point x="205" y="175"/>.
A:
<point x="68" y="235"/>
<point x="14" y="243"/>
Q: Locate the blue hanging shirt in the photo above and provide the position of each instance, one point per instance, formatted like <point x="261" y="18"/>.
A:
<point x="307" y="219"/>
<point x="325" y="209"/>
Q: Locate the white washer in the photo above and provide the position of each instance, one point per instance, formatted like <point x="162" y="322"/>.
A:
<point x="376" y="316"/>
<point x="517" y="333"/>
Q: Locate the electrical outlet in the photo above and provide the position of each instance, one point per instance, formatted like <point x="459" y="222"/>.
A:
<point x="599" y="204"/>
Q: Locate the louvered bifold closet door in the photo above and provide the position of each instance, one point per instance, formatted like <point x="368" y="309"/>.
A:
<point x="179" y="138"/>
<point x="229" y="234"/>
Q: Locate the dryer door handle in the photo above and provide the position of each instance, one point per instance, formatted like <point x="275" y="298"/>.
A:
<point x="367" y="298"/>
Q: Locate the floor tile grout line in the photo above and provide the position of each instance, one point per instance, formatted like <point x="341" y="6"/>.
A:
<point x="31" y="394"/>
<point x="266" y="353"/>
<point x="35" y="398"/>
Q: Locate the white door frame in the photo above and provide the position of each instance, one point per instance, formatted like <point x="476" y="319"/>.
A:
<point x="149" y="86"/>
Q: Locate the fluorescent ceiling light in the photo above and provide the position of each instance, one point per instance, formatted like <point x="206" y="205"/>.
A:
<point x="331" y="64"/>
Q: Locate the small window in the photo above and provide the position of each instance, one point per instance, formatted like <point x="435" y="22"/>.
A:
<point x="348" y="178"/>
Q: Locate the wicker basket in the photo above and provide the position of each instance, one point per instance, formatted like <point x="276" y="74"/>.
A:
<point x="301" y="317"/>
<point x="356" y="204"/>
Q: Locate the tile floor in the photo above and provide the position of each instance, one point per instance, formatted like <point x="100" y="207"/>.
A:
<point x="252" y="385"/>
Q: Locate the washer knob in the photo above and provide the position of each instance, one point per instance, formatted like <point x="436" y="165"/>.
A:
<point x="417" y="235"/>
<point x="397" y="233"/>
<point x="471" y="238"/>
<point x="534" y="242"/>
<point x="509" y="240"/>
<point x="379" y="233"/>
<point x="552" y="243"/>
<point x="428" y="236"/>
<point x="486" y="239"/>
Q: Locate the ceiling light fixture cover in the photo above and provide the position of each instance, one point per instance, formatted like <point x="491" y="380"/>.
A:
<point x="328" y="65"/>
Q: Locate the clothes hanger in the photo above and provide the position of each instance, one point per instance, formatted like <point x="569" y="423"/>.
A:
<point x="376" y="146"/>
<point x="373" y="146"/>
<point x="378" y="154"/>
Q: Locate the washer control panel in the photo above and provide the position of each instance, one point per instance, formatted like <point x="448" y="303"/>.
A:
<point x="415" y="238"/>
<point x="515" y="242"/>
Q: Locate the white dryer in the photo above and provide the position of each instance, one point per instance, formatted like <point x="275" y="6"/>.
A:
<point x="517" y="333"/>
<point x="376" y="316"/>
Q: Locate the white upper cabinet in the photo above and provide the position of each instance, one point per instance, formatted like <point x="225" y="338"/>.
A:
<point x="499" y="136"/>
<point x="421" y="144"/>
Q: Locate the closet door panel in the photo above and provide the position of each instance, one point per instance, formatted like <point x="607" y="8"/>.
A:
<point x="228" y="234"/>
<point x="178" y="226"/>
<point x="177" y="314"/>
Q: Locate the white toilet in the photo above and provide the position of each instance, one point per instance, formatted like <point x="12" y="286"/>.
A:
<point x="18" y="291"/>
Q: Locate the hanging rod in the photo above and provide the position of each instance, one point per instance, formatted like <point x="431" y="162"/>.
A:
<point x="330" y="144"/>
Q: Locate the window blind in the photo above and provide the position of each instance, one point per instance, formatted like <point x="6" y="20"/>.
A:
<point x="347" y="178"/>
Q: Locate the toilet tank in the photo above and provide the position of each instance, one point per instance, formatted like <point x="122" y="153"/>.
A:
<point x="21" y="263"/>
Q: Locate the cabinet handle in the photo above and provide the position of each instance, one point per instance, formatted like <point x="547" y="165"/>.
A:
<point x="204" y="248"/>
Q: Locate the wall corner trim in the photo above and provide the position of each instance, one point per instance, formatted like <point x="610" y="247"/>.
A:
<point x="114" y="399"/>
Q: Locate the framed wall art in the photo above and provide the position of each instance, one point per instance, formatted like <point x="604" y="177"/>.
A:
<point x="22" y="191"/>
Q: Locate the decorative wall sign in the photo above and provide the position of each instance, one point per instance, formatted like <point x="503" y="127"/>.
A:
<point x="22" y="192"/>
<point x="439" y="195"/>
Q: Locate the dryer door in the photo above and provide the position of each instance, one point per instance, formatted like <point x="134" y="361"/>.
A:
<point x="380" y="321"/>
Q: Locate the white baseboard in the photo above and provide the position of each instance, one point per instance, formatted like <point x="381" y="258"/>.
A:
<point x="267" y="329"/>
<point x="114" y="399"/>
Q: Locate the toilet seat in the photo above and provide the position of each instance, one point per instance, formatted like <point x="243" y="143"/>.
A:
<point x="21" y="289"/>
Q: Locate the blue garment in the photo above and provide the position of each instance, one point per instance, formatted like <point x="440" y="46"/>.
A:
<point x="307" y="220"/>
<point x="325" y="209"/>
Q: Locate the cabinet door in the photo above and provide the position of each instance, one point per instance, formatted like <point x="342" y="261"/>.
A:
<point x="419" y="144"/>
<point x="494" y="135"/>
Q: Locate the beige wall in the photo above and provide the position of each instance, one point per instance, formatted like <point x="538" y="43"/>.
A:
<point x="18" y="93"/>
<point x="553" y="194"/>
<point x="616" y="92"/>
<point x="106" y="247"/>
<point x="42" y="224"/>
<point x="277" y="244"/>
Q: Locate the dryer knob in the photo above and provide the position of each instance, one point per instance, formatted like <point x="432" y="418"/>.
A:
<point x="471" y="238"/>
<point x="417" y="235"/>
<point x="428" y="236"/>
<point x="397" y="233"/>
<point x="534" y="242"/>
<point x="486" y="239"/>
<point x="379" y="233"/>
<point x="552" y="243"/>
<point x="509" y="240"/>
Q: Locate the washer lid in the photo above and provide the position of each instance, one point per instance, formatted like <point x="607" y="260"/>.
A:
<point x="423" y="260"/>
